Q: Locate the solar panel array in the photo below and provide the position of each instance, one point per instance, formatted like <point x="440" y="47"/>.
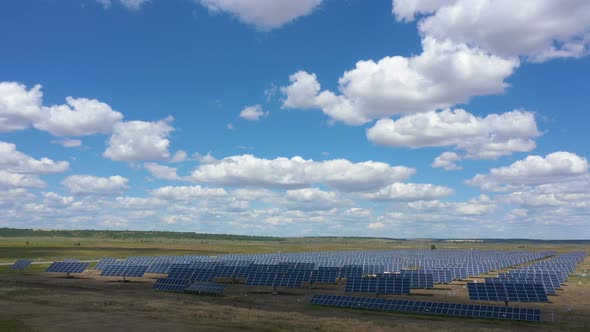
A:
<point x="549" y="273"/>
<point x="67" y="267"/>
<point x="171" y="285"/>
<point x="434" y="308"/>
<point x="519" y="292"/>
<point x="292" y="279"/>
<point x="329" y="266"/>
<point x="440" y="276"/>
<point x="394" y="284"/>
<point x="21" y="264"/>
<point x="546" y="282"/>
<point x="419" y="278"/>
<point x="205" y="288"/>
<point x="325" y="274"/>
<point x="558" y="267"/>
<point x="105" y="261"/>
<point x="119" y="270"/>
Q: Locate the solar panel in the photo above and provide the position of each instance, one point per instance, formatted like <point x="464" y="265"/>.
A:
<point x="397" y="286"/>
<point x="351" y="271"/>
<point x="67" y="267"/>
<point x="440" y="276"/>
<point x="507" y="292"/>
<point x="181" y="272"/>
<point x="295" y="279"/>
<point x="361" y="285"/>
<point x="118" y="270"/>
<point x="171" y="285"/>
<point x="159" y="268"/>
<point x="242" y="271"/>
<point x="393" y="284"/>
<point x="204" y="275"/>
<point x="419" y="279"/>
<point x="325" y="274"/>
<point x="547" y="283"/>
<point x="205" y="288"/>
<point x="105" y="261"/>
<point x="436" y="308"/>
<point x="261" y="279"/>
<point x="21" y="264"/>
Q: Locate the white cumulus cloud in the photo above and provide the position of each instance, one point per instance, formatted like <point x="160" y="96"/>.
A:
<point x="14" y="161"/>
<point x="447" y="161"/>
<point x="94" y="185"/>
<point x="162" y="172"/>
<point x="533" y="170"/>
<point x="19" y="106"/>
<point x="539" y="30"/>
<point x="444" y="74"/>
<point x="264" y="14"/>
<point x="80" y="117"/>
<point x="134" y="141"/>
<point x="341" y="174"/>
<point x="187" y="193"/>
<point x="482" y="138"/>
<point x="313" y="199"/>
<point x="253" y="113"/>
<point x="409" y="192"/>
<point x="18" y="180"/>
<point x="129" y="4"/>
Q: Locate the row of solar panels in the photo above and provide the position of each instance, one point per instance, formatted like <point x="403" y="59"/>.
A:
<point x="180" y="286"/>
<point x="548" y="275"/>
<point x="559" y="267"/>
<point x="160" y="267"/>
<point x="322" y="274"/>
<point x="434" y="308"/>
<point x="22" y="264"/>
<point x="387" y="285"/>
<point x="512" y="292"/>
<point x="373" y="261"/>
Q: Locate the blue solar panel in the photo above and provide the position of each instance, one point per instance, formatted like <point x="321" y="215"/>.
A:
<point x="325" y="274"/>
<point x="507" y="292"/>
<point x="361" y="285"/>
<point x="204" y="275"/>
<point x="105" y="261"/>
<point x="181" y="272"/>
<point x="261" y="279"/>
<point x="436" y="308"/>
<point x="205" y="288"/>
<point x="171" y="285"/>
<point x="547" y="283"/>
<point x="440" y="276"/>
<point x="67" y="267"/>
<point x="159" y="268"/>
<point x="390" y="284"/>
<point x="21" y="264"/>
<point x="419" y="279"/>
<point x="118" y="270"/>
<point x="351" y="271"/>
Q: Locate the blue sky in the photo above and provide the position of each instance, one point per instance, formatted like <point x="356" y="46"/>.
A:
<point x="318" y="117"/>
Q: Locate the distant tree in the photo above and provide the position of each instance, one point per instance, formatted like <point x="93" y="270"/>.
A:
<point x="432" y="247"/>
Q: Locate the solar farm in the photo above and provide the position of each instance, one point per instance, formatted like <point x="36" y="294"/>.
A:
<point x="523" y="289"/>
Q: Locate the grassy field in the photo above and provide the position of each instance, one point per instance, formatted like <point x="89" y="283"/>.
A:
<point x="41" y="248"/>
<point x="37" y="301"/>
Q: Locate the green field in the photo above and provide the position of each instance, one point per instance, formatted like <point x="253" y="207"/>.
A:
<point x="54" y="245"/>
